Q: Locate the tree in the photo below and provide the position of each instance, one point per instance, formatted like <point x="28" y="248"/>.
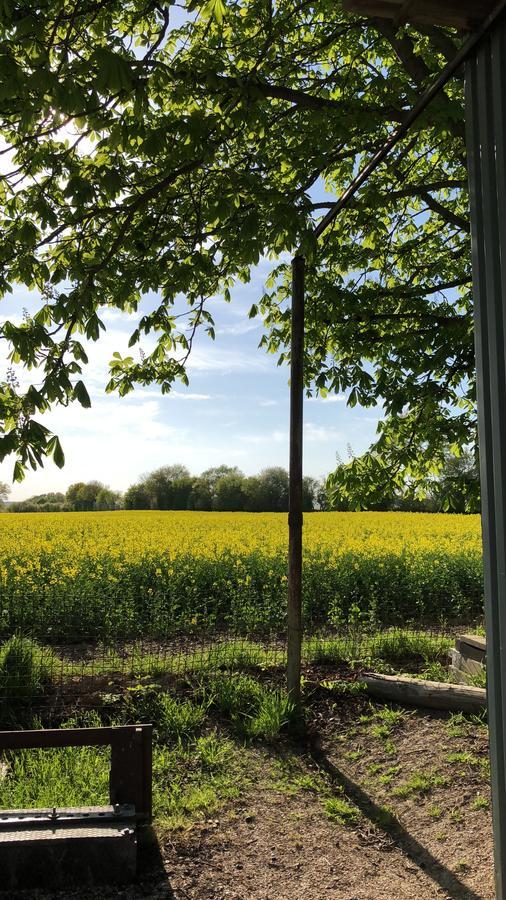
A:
<point x="457" y="485"/>
<point x="82" y="496"/>
<point x="50" y="502"/>
<point x="4" y="493"/>
<point x="168" y="487"/>
<point x="272" y="493"/>
<point x="229" y="492"/>
<point x="107" y="500"/>
<point x="201" y="495"/>
<point x="208" y="145"/>
<point x="309" y="493"/>
<point x="205" y="489"/>
<point x="136" y="497"/>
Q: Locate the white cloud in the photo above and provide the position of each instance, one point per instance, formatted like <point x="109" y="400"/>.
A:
<point x="266" y="403"/>
<point x="272" y="437"/>
<point x="181" y="395"/>
<point x="214" y="358"/>
<point x="244" y="327"/>
<point x="320" y="433"/>
<point x="330" y="398"/>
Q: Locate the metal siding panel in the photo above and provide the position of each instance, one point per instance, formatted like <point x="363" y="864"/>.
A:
<point x="486" y="98"/>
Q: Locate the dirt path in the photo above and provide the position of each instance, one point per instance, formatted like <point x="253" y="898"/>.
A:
<point x="386" y="805"/>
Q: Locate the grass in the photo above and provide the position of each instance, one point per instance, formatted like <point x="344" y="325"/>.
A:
<point x="399" y="650"/>
<point x="254" y="711"/>
<point x="198" y="762"/>
<point x="174" y="719"/>
<point x="204" y="727"/>
<point x="419" y="784"/>
<point x="188" y="781"/>
<point x="339" y="810"/>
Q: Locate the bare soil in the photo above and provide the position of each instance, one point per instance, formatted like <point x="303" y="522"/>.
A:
<point x="416" y="783"/>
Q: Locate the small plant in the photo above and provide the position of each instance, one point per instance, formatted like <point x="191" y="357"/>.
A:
<point x="435" y="812"/>
<point x="463" y="866"/>
<point x="479" y="680"/>
<point x="212" y="752"/>
<point x="339" y="810"/>
<point x="324" y="653"/>
<point x="465" y="758"/>
<point x="420" y="783"/>
<point x="435" y="671"/>
<point x="480" y="803"/>
<point x="235" y="695"/>
<point x="353" y="755"/>
<point x="389" y="716"/>
<point x="403" y="646"/>
<point x="380" y="731"/>
<point x="253" y="710"/>
<point x="352" y="688"/>
<point x="389" y="775"/>
<point x="385" y="817"/>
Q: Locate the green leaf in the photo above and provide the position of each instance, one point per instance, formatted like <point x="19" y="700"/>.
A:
<point x="215" y="9"/>
<point x="81" y="394"/>
<point x="19" y="471"/>
<point x="58" y="454"/>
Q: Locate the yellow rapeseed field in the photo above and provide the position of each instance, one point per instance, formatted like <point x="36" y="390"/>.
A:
<point x="125" y="574"/>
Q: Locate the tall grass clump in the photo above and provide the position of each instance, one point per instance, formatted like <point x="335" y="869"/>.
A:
<point x="254" y="710"/>
<point x="25" y="673"/>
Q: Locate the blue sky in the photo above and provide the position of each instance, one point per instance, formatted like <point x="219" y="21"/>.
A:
<point x="235" y="410"/>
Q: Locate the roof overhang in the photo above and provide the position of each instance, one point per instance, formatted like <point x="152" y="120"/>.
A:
<point x="464" y="14"/>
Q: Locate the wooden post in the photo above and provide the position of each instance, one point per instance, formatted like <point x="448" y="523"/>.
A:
<point x="294" y="648"/>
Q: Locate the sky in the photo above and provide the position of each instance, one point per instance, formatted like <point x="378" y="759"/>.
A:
<point x="235" y="410"/>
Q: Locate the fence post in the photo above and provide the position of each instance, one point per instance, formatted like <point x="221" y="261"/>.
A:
<point x="294" y="618"/>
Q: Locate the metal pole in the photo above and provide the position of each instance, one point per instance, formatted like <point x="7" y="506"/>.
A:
<point x="486" y="140"/>
<point x="294" y="646"/>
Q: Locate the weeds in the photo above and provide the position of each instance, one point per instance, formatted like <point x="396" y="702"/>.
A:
<point x="419" y="784"/>
<point x="339" y="810"/>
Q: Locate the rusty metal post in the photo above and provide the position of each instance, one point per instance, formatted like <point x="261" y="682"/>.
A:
<point x="294" y="648"/>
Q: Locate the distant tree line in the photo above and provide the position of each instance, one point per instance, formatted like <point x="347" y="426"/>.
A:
<point x="455" y="488"/>
<point x="222" y="488"/>
<point x="80" y="497"/>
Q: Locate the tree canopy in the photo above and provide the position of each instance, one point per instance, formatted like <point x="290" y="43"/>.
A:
<point x="150" y="147"/>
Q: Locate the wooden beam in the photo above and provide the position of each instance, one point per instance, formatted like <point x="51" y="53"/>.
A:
<point x="433" y="694"/>
<point x="466" y="14"/>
